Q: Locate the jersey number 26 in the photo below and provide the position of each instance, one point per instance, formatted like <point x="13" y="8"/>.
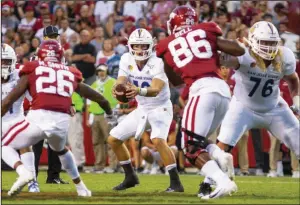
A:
<point x="54" y="76"/>
<point x="183" y="49"/>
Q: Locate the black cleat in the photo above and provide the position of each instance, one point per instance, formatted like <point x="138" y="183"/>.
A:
<point x="175" y="188"/>
<point x="204" y="189"/>
<point x="127" y="183"/>
<point x="56" y="181"/>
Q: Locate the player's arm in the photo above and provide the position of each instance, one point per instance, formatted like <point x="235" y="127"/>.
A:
<point x="14" y="95"/>
<point x="173" y="77"/>
<point x="231" y="47"/>
<point x="87" y="92"/>
<point x="293" y="82"/>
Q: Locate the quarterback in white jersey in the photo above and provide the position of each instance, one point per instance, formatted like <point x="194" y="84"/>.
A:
<point x="147" y="82"/>
<point x="14" y="120"/>
<point x="256" y="102"/>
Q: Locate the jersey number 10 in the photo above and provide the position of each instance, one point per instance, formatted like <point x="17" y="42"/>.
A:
<point x="54" y="76"/>
<point x="189" y="47"/>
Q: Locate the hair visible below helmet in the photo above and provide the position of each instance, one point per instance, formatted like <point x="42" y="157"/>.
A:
<point x="7" y="54"/>
<point x="138" y="37"/>
<point x="181" y="17"/>
<point x="50" y="50"/>
<point x="263" y="38"/>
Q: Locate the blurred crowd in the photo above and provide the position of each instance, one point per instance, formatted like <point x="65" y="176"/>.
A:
<point x="94" y="36"/>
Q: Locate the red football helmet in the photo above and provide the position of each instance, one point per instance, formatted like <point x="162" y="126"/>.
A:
<point x="50" y="50"/>
<point x="181" y="17"/>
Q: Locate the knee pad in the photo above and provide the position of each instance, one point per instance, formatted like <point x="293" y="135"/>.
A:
<point x="202" y="142"/>
<point x="193" y="150"/>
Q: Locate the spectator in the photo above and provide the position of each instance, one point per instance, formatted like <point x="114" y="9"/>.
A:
<point x="290" y="39"/>
<point x="100" y="128"/>
<point x="45" y="13"/>
<point x="35" y="43"/>
<point x="59" y="15"/>
<point x="162" y="8"/>
<point x="74" y="40"/>
<point x="8" y="20"/>
<point x="75" y="134"/>
<point x="127" y="29"/>
<point x="267" y="17"/>
<point x="9" y="37"/>
<point x="98" y="38"/>
<point x="64" y="42"/>
<point x="20" y="54"/>
<point x="65" y="28"/>
<point x="18" y="39"/>
<point x="84" y="57"/>
<point x="142" y="23"/>
<point x="280" y="14"/>
<point x="39" y="34"/>
<point x="85" y="15"/>
<point x="245" y="13"/>
<point x="207" y="12"/>
<point x="27" y="23"/>
<point x="102" y="10"/>
<point x="137" y="9"/>
<point x="113" y="66"/>
<point x="222" y="21"/>
<point x="106" y="53"/>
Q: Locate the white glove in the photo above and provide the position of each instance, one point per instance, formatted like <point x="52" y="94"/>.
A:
<point x="111" y="119"/>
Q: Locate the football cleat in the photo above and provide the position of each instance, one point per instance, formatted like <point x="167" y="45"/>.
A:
<point x="222" y="190"/>
<point x="175" y="188"/>
<point x="84" y="192"/>
<point x="128" y="182"/>
<point x="24" y="179"/>
<point x="33" y="187"/>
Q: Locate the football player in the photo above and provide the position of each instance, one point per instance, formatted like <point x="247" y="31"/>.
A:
<point x="191" y="57"/>
<point x="9" y="78"/>
<point x="148" y="83"/>
<point x="256" y="102"/>
<point x="51" y="84"/>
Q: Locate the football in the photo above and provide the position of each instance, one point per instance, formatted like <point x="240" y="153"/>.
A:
<point x="121" y="93"/>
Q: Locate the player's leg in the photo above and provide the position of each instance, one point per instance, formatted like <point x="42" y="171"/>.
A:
<point x="27" y="158"/>
<point x="123" y="131"/>
<point x="20" y="136"/>
<point x="198" y="118"/>
<point x="285" y="127"/>
<point x="160" y="120"/>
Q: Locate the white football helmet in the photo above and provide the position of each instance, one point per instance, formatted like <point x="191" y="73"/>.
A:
<point x="8" y="60"/>
<point x="137" y="37"/>
<point x="264" y="39"/>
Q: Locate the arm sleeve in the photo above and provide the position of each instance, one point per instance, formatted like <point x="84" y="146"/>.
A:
<point x="289" y="60"/>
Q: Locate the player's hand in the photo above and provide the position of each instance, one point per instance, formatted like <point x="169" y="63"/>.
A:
<point x="132" y="91"/>
<point x="113" y="91"/>
<point x="111" y="119"/>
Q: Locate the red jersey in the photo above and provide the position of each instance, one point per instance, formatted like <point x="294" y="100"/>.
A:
<point x="51" y="85"/>
<point x="192" y="52"/>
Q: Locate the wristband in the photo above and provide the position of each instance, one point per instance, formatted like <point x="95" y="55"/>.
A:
<point x="143" y="91"/>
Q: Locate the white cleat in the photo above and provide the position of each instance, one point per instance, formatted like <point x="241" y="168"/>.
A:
<point x="33" y="187"/>
<point x="222" y="190"/>
<point x="296" y="174"/>
<point x="84" y="192"/>
<point x="225" y="162"/>
<point x="20" y="183"/>
<point x="272" y="174"/>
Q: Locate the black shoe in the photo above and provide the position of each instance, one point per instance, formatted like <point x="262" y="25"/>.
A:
<point x="56" y="181"/>
<point x="182" y="171"/>
<point x="175" y="188"/>
<point x="204" y="189"/>
<point x="80" y="168"/>
<point x="127" y="183"/>
<point x="139" y="170"/>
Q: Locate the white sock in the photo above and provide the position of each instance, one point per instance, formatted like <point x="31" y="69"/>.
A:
<point x="10" y="156"/>
<point x="171" y="166"/>
<point x="68" y="162"/>
<point x="21" y="169"/>
<point x="28" y="161"/>
<point x="213" y="171"/>
<point x="125" y="162"/>
<point x="214" y="151"/>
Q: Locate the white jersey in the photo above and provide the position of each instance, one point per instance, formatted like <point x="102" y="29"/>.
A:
<point x="154" y="68"/>
<point x="16" y="110"/>
<point x="259" y="90"/>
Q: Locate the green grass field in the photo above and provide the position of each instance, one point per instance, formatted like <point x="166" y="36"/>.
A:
<point x="252" y="190"/>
